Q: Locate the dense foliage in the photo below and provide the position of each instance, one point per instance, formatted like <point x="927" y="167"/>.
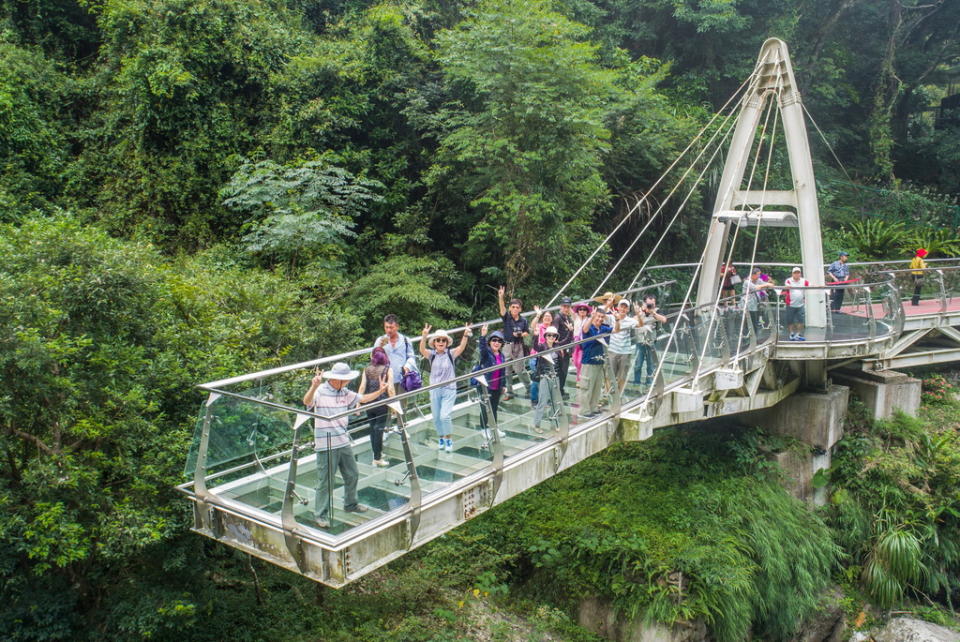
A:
<point x="897" y="505"/>
<point x="191" y="189"/>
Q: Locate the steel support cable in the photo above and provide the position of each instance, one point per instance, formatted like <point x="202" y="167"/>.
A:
<point x="829" y="147"/>
<point x="686" y="298"/>
<point x="652" y="187"/>
<point x="680" y="207"/>
<point x="733" y="242"/>
<point x="646" y="262"/>
<point x="663" y="204"/>
<point x="756" y="239"/>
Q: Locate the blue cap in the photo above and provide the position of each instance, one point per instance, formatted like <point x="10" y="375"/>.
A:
<point x="842" y="253"/>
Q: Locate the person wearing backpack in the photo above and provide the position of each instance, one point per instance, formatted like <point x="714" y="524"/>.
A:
<point x="794" y="299"/>
<point x="403" y="359"/>
<point x="443" y="369"/>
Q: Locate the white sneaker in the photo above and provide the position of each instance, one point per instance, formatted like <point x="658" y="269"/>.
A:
<point x="440" y="445"/>
<point x="501" y="433"/>
<point x="449" y="448"/>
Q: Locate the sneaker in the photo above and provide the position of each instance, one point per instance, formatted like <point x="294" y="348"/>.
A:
<point x="484" y="445"/>
<point x="506" y="397"/>
<point x="800" y="337"/>
<point x="500" y="433"/>
<point x="322" y="522"/>
<point x="449" y="446"/>
<point x="440" y="444"/>
<point x="359" y="508"/>
<point x="383" y="463"/>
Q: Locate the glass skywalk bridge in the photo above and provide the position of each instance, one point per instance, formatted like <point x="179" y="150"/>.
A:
<point x="253" y="467"/>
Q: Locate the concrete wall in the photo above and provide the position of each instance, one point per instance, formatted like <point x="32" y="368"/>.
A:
<point x="882" y="391"/>
<point x="599" y="617"/>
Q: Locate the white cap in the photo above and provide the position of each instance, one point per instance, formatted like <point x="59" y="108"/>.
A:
<point x="796" y="268"/>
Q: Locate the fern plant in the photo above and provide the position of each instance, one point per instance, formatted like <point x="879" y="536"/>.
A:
<point x="873" y="238"/>
<point x="937" y="241"/>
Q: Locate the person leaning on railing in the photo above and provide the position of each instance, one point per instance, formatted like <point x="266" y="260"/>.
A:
<point x="331" y="441"/>
<point x="838" y="272"/>
<point x="918" y="265"/>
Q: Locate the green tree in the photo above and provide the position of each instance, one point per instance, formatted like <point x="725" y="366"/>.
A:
<point x="298" y="211"/>
<point x="524" y="141"/>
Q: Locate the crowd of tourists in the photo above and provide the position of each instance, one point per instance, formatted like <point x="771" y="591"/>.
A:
<point x="536" y="353"/>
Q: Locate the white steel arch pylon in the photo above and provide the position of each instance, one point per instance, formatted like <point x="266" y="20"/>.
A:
<point x="773" y="80"/>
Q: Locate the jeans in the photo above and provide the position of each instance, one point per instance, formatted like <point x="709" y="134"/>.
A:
<point x="441" y="405"/>
<point x="328" y="462"/>
<point x="644" y="354"/>
<point x="917" y="284"/>
<point x="378" y="421"/>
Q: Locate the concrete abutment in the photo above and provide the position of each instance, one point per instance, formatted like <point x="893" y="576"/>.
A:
<point x="883" y="392"/>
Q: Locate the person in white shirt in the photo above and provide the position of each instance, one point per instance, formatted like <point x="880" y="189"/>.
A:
<point x="794" y="304"/>
<point x="622" y="342"/>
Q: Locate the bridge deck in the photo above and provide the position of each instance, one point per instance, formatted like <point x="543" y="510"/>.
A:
<point x="256" y="481"/>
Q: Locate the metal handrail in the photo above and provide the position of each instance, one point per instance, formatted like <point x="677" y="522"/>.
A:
<point x="313" y="363"/>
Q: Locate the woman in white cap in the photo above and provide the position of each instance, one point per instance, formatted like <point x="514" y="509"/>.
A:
<point x="331" y="441"/>
<point x="545" y="372"/>
<point x="443" y="368"/>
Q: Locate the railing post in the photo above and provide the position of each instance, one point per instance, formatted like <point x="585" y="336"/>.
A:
<point x="200" y="472"/>
<point x="416" y="499"/>
<point x="287" y="518"/>
<point x="871" y="318"/>
<point x="493" y="437"/>
<point x="943" y="292"/>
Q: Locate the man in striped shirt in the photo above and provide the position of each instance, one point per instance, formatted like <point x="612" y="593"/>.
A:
<point x="331" y="441"/>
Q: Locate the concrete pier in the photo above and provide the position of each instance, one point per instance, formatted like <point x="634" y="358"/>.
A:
<point x="883" y="392"/>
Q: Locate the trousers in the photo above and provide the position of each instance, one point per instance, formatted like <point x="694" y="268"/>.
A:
<point x="328" y="462"/>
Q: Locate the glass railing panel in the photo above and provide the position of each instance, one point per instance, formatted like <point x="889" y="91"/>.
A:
<point x="852" y="320"/>
<point x="710" y="334"/>
<point x="249" y="452"/>
<point x="244" y="438"/>
<point x="951" y="287"/>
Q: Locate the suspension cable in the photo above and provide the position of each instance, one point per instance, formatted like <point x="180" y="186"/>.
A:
<point x="636" y="207"/>
<point x="686" y="298"/>
<point x="756" y="238"/>
<point x="716" y="300"/>
<point x="663" y="204"/>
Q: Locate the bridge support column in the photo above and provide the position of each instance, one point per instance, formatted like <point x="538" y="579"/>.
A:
<point x="882" y="391"/>
<point x="814" y="418"/>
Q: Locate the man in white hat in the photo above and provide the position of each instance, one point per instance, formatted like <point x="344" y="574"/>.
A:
<point x="331" y="441"/>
